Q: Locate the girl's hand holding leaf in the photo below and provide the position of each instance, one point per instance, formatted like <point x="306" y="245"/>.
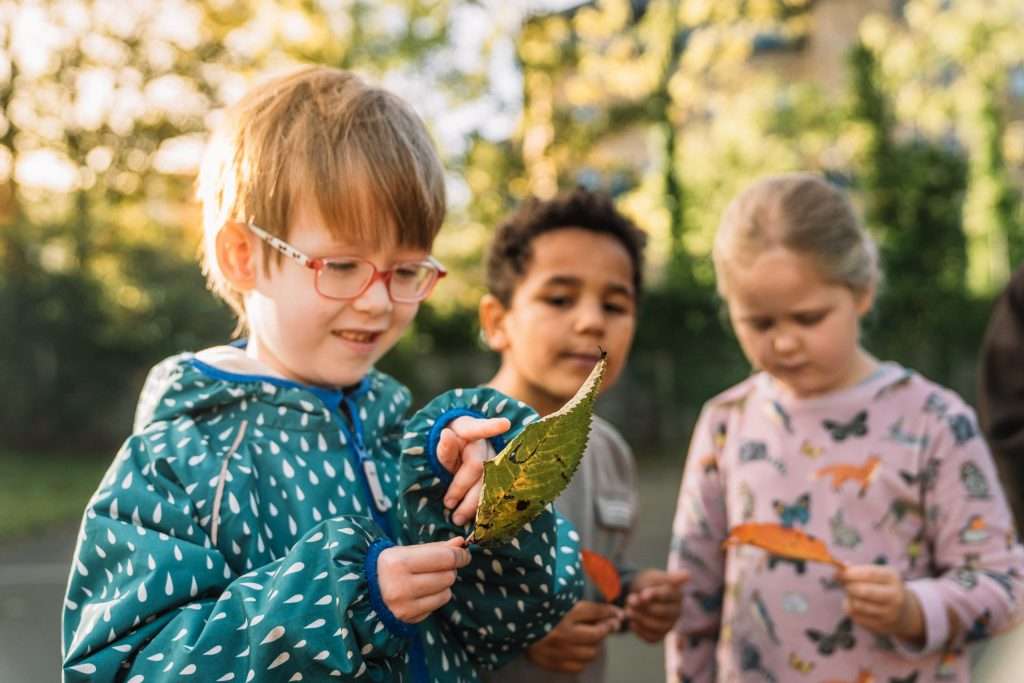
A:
<point x="415" y="580"/>
<point x="878" y="600"/>
<point x="576" y="640"/>
<point x="462" y="450"/>
<point x="655" y="602"/>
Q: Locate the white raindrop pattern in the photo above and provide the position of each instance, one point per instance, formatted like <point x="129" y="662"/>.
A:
<point x="282" y="594"/>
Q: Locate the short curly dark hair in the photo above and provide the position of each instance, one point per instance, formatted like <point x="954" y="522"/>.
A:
<point x="510" y="251"/>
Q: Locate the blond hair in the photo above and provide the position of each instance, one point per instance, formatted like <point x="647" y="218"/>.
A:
<point x="805" y="214"/>
<point x="358" y="153"/>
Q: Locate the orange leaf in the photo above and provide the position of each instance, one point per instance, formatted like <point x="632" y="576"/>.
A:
<point x="603" y="573"/>
<point x="782" y="541"/>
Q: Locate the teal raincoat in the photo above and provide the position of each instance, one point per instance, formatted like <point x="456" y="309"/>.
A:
<point x="235" y="538"/>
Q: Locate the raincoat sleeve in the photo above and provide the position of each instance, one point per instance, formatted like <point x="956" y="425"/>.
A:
<point x="699" y="528"/>
<point x="978" y="561"/>
<point x="509" y="595"/>
<point x="151" y="597"/>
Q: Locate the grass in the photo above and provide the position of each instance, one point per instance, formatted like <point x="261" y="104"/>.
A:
<point x="37" y="490"/>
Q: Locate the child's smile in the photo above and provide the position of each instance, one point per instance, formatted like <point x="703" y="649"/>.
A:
<point x="360" y="340"/>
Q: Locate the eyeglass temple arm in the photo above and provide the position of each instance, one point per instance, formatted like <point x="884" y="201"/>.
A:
<point x="284" y="247"/>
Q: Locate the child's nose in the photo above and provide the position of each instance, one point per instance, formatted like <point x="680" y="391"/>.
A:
<point x="785" y="343"/>
<point x="590" y="319"/>
<point x="375" y="299"/>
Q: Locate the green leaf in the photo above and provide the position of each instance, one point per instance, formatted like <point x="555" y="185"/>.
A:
<point x="536" y="466"/>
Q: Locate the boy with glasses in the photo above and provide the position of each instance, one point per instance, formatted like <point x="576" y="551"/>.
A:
<point x="274" y="516"/>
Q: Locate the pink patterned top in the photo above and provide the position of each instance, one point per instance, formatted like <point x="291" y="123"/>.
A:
<point x="890" y="471"/>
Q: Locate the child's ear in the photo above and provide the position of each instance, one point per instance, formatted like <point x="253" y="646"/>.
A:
<point x="237" y="254"/>
<point x="492" y="319"/>
<point x="865" y="300"/>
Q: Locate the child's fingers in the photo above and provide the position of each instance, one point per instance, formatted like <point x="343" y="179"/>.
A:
<point x="871" y="624"/>
<point x="424" y="585"/>
<point x="652" y="594"/>
<point x="421" y="608"/>
<point x="868" y="573"/>
<point x="475" y="428"/>
<point x="586" y="611"/>
<point x="583" y="633"/>
<point x="470" y="472"/>
<point x="467" y="508"/>
<point x="872" y="592"/>
<point x="866" y="609"/>
<point x="423" y="558"/>
<point x="656" y="609"/>
<point x="449" y="449"/>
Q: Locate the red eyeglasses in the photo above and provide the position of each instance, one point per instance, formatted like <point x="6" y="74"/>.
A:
<point x="347" y="277"/>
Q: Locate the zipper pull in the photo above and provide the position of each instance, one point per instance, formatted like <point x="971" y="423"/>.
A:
<point x="382" y="502"/>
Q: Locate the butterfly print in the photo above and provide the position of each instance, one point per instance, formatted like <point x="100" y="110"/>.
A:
<point x="841" y="638"/>
<point x="798" y="512"/>
<point x="840" y="431"/>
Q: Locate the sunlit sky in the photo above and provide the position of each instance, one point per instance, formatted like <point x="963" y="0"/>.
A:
<point x="482" y="40"/>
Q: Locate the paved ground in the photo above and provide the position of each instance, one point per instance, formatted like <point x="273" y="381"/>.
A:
<point x="33" y="574"/>
<point x="32" y="578"/>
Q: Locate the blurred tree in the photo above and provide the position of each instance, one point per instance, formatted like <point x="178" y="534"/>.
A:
<point x="104" y="108"/>
<point x="914" y="191"/>
<point x="949" y="66"/>
<point x="671" y="105"/>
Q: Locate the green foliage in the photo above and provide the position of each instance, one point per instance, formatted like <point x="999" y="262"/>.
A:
<point x="914" y="193"/>
<point x="535" y="466"/>
<point x="37" y="490"/>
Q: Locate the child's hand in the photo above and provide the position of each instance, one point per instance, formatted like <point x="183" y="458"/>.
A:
<point x="462" y="449"/>
<point x="415" y="580"/>
<point x="654" y="602"/>
<point x="576" y="640"/>
<point x="878" y="600"/>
